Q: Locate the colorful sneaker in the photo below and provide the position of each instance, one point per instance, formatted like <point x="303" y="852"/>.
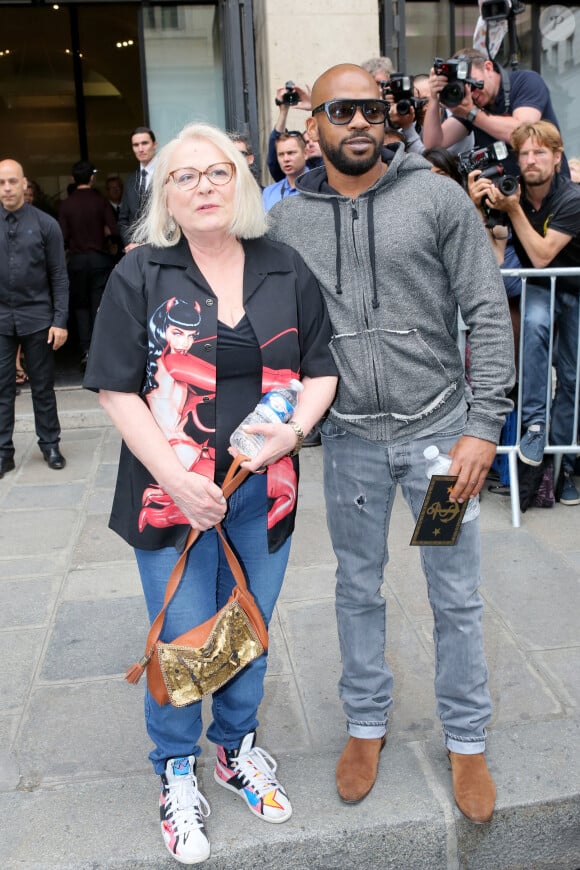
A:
<point x="249" y="771"/>
<point x="182" y="809"/>
<point x="569" y="494"/>
<point x="531" y="449"/>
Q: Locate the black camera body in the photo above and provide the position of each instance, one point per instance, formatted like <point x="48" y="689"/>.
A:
<point x="457" y="71"/>
<point x="290" y="97"/>
<point x="401" y="88"/>
<point x="490" y="161"/>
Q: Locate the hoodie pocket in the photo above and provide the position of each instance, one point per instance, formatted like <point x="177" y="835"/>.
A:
<point x="390" y="372"/>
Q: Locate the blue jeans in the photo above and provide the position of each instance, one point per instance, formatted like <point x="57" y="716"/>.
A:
<point x="360" y="479"/>
<point x="204" y="588"/>
<point x="537" y="368"/>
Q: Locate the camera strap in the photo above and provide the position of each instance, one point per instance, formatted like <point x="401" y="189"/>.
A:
<point x="506" y="85"/>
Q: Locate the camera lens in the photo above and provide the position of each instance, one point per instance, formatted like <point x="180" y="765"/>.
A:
<point x="452" y="94"/>
<point x="404" y="107"/>
<point x="507" y="185"/>
<point x="290" y="98"/>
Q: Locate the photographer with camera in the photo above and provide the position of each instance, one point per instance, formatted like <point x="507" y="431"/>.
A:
<point x="291" y="155"/>
<point x="544" y="213"/>
<point x="484" y="97"/>
<point x="491" y="108"/>
<point x="406" y="109"/>
<point x="291" y="96"/>
<point x="481" y="167"/>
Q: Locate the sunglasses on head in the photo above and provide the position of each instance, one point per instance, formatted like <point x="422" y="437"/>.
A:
<point x="343" y="111"/>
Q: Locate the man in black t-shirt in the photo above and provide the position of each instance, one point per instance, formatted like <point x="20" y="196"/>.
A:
<point x="545" y="220"/>
<point x="507" y="99"/>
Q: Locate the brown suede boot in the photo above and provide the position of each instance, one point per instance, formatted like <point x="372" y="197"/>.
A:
<point x="473" y="787"/>
<point x="357" y="768"/>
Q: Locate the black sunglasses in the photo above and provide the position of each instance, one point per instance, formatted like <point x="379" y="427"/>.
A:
<point x="343" y="111"/>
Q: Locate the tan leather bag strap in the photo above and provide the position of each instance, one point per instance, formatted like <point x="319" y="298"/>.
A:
<point x="234" y="477"/>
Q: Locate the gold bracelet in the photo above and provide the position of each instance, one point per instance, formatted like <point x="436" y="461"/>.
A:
<point x="299" y="437"/>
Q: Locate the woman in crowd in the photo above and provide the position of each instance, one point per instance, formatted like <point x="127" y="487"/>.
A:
<point x="444" y="163"/>
<point x="196" y="324"/>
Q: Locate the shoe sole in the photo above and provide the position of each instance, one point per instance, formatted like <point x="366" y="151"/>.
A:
<point x="242" y="795"/>
<point x="570" y="501"/>
<point x="188" y="861"/>
<point x="528" y="461"/>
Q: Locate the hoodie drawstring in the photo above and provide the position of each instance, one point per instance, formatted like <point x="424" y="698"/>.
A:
<point x="336" y="211"/>
<point x="372" y="249"/>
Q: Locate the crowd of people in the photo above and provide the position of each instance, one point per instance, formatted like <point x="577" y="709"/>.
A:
<point x="196" y="290"/>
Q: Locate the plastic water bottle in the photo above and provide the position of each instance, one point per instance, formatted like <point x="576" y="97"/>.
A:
<point x="440" y="463"/>
<point x="276" y="406"/>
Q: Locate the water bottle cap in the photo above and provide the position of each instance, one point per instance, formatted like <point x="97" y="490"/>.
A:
<point x="431" y="452"/>
<point x="296" y="385"/>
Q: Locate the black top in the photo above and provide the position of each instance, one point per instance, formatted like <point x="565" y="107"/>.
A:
<point x="33" y="275"/>
<point x="560" y="210"/>
<point x="238" y="385"/>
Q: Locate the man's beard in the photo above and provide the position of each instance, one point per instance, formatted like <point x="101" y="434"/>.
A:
<point x="536" y="181"/>
<point x="350" y="165"/>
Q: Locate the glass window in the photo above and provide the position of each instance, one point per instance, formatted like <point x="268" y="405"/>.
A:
<point x="109" y="40"/>
<point x="427" y="35"/>
<point x="38" y="115"/>
<point x="183" y="63"/>
<point x="560" y="67"/>
<point x="37" y="95"/>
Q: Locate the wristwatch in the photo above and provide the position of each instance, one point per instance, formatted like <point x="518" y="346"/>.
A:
<point x="299" y="437"/>
<point x="471" y="116"/>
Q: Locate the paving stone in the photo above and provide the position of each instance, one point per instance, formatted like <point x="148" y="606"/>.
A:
<point x="97" y="543"/>
<point x="110" y="580"/>
<point x="80" y="732"/>
<point x="26" y="531"/>
<point x="95" y="638"/>
<point x="26" y="602"/>
<point x="44" y="497"/>
<point x="19" y="654"/>
<point x="524" y="580"/>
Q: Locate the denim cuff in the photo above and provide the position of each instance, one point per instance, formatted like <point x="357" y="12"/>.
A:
<point x="464" y="747"/>
<point x="367" y="732"/>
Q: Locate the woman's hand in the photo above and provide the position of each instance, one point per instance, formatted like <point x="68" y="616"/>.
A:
<point x="200" y="499"/>
<point x="280" y="441"/>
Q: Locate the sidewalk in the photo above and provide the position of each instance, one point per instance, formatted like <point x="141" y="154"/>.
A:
<point x="76" y="788"/>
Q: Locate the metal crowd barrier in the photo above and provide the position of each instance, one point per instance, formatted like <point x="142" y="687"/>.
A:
<point x="511" y="450"/>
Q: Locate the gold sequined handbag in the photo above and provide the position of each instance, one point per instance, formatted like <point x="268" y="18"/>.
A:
<point x="206" y="657"/>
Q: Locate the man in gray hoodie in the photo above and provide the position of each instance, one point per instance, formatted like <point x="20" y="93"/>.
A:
<point x="397" y="249"/>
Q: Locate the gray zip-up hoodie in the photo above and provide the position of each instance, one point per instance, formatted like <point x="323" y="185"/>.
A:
<point x="394" y="264"/>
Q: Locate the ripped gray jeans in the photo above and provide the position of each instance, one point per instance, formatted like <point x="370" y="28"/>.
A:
<point x="360" y="479"/>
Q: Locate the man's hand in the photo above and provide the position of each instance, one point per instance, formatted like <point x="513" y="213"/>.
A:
<point x="472" y="458"/>
<point x="57" y="337"/>
<point x="466" y="104"/>
<point x="303" y="92"/>
<point x="508" y="204"/>
<point x="436" y="85"/>
<point x="477" y="187"/>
